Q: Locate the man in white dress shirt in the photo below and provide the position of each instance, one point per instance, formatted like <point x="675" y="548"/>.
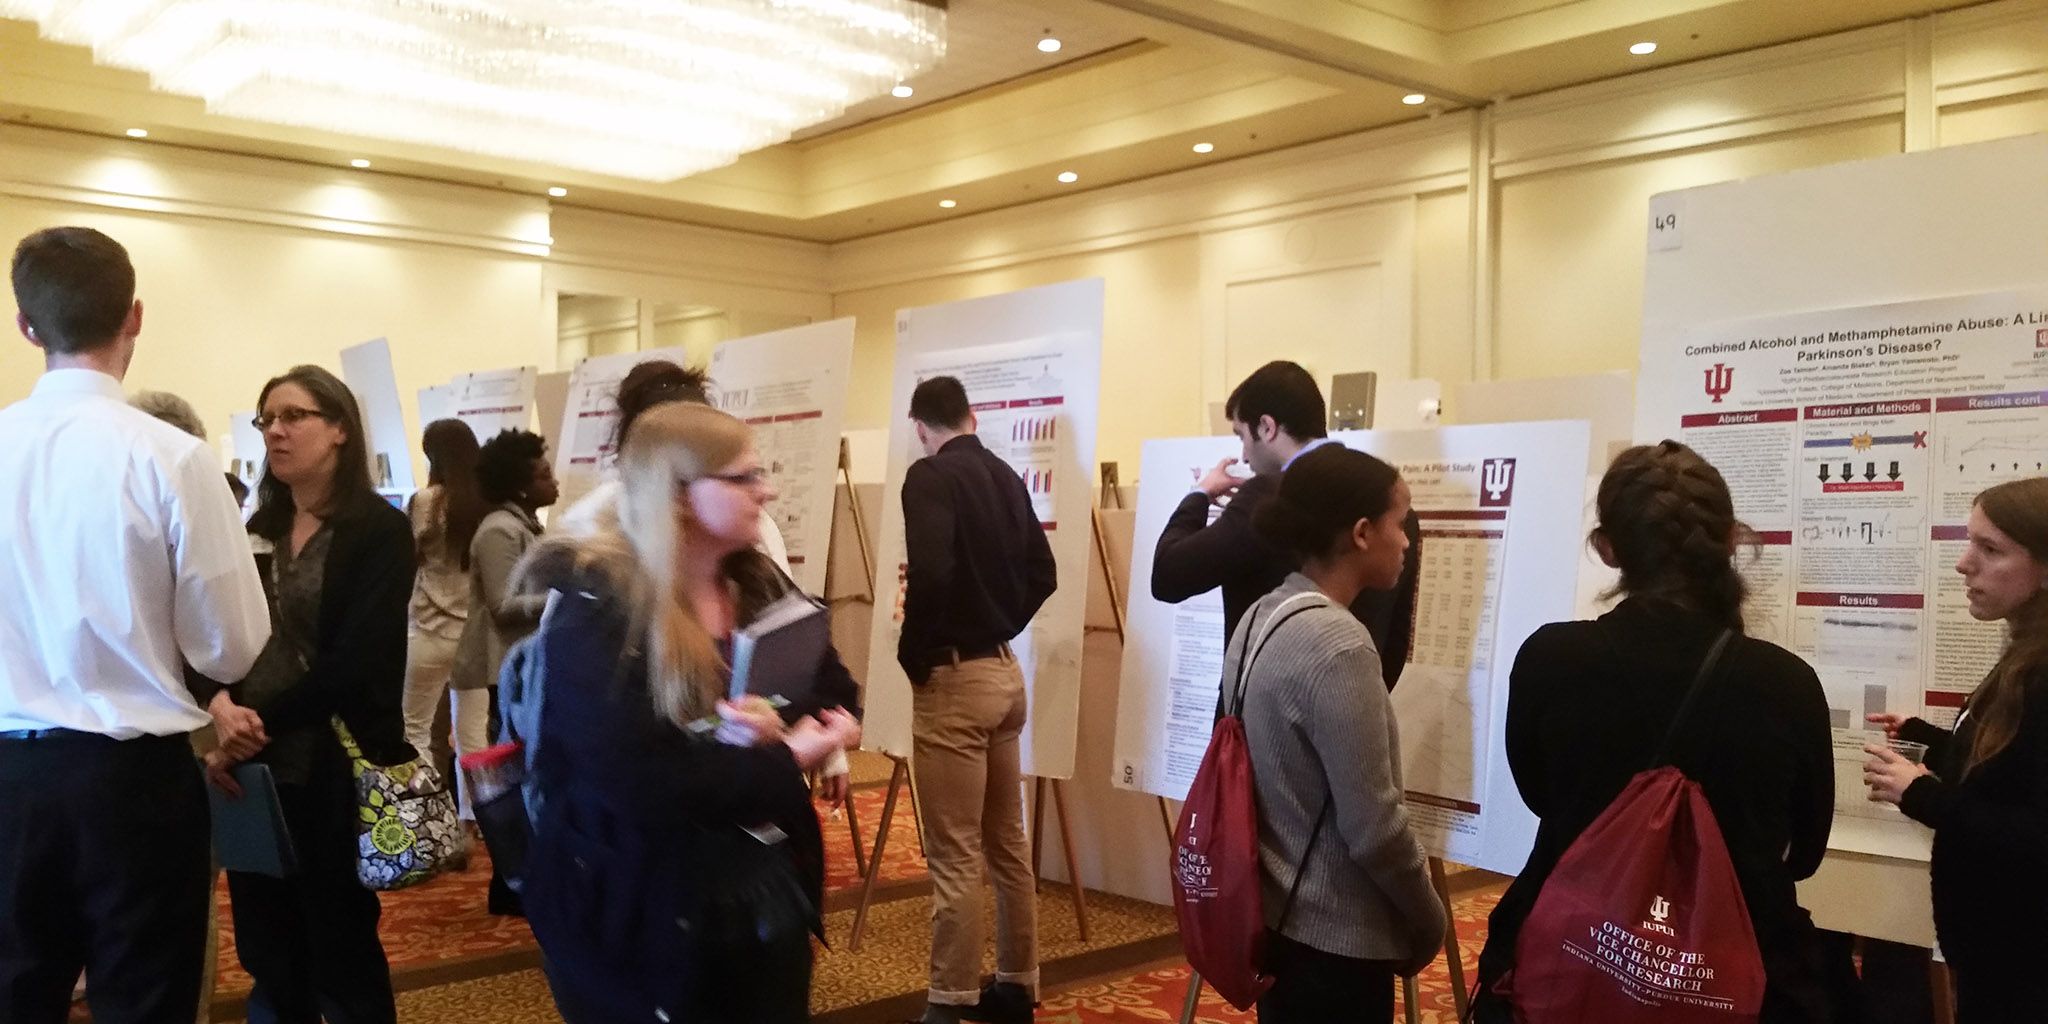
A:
<point x="121" y="562"/>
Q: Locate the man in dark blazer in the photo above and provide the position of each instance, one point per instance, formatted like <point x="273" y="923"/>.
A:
<point x="1277" y="413"/>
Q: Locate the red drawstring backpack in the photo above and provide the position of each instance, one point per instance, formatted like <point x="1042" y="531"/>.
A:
<point x="1215" y="866"/>
<point x="1642" y="919"/>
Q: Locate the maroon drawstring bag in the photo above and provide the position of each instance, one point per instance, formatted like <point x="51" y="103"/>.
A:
<point x="1215" y="868"/>
<point x="1642" y="919"/>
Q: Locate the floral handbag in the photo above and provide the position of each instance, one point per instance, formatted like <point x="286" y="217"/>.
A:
<point x="407" y="831"/>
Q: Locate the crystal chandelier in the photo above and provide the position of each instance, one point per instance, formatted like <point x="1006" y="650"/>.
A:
<point x="648" y="89"/>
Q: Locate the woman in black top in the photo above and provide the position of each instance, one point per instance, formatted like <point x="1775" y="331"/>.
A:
<point x="676" y="867"/>
<point x="338" y="567"/>
<point x="1986" y="797"/>
<point x="1589" y="702"/>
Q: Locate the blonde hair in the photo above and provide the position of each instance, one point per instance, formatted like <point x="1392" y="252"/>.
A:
<point x="669" y="447"/>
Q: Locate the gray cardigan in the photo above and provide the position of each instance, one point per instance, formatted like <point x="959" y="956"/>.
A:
<point x="498" y="618"/>
<point x="1318" y="722"/>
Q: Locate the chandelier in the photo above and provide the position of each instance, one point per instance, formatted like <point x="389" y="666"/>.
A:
<point x="648" y="89"/>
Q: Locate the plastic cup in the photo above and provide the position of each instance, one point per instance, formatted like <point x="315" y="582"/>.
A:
<point x="1911" y="751"/>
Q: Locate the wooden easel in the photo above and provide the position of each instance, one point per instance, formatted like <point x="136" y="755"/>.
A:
<point x="867" y="565"/>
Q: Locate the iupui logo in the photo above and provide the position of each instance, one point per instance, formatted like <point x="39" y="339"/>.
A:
<point x="1720" y="381"/>
<point x="1660" y="912"/>
<point x="1496" y="483"/>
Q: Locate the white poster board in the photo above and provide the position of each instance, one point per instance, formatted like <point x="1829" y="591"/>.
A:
<point x="437" y="402"/>
<point x="367" y="369"/>
<point x="1500" y="511"/>
<point x="1959" y="221"/>
<point x="591" y="414"/>
<point x="245" y="447"/>
<point x="1031" y="362"/>
<point x="1855" y="441"/>
<point x="550" y="397"/>
<point x="790" y="387"/>
<point x="492" y="401"/>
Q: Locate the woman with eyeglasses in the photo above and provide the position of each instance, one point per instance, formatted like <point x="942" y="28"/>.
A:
<point x="337" y="566"/>
<point x="517" y="482"/>
<point x="676" y="868"/>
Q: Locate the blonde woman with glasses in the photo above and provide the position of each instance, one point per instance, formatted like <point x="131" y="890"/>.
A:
<point x="676" y="868"/>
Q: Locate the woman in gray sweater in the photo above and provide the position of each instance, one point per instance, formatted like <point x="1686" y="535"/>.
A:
<point x="1325" y="756"/>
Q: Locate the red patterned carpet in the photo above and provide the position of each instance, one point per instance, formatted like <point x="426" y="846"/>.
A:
<point x="442" y="923"/>
<point x="1157" y="995"/>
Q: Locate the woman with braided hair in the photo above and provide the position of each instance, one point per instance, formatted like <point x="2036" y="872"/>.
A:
<point x="1590" y="701"/>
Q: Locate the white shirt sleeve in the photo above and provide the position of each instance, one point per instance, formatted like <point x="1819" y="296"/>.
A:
<point x="772" y="544"/>
<point x="220" y="616"/>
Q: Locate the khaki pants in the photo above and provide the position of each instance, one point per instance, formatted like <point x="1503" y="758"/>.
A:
<point x="967" y="722"/>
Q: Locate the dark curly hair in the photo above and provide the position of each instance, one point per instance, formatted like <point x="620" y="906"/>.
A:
<point x="653" y="383"/>
<point x="504" y="468"/>
<point x="1322" y="497"/>
<point x="1666" y="514"/>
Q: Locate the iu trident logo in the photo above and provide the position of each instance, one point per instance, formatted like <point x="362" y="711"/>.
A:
<point x="1720" y="380"/>
<point x="1660" y="909"/>
<point x="1496" y="483"/>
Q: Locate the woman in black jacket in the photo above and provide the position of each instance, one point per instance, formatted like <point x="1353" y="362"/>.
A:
<point x="337" y="565"/>
<point x="1986" y="795"/>
<point x="1588" y="703"/>
<point x="676" y="867"/>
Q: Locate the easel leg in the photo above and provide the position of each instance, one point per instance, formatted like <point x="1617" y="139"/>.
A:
<point x="867" y="887"/>
<point x="1454" y="954"/>
<point x="1411" y="1001"/>
<point x="1166" y="819"/>
<point x="1942" y="984"/>
<point x="860" y="850"/>
<point x="1194" y="1000"/>
<point x="916" y="815"/>
<point x="1037" y="835"/>
<point x="1059" y="804"/>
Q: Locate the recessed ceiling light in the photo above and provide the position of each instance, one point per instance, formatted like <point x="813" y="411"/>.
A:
<point x="138" y="133"/>
<point x="1643" y="49"/>
<point x="558" y="191"/>
<point x="902" y="92"/>
<point x="1069" y="177"/>
<point x="1205" y="147"/>
<point x="359" y="163"/>
<point x="1048" y="45"/>
<point x="947" y="204"/>
<point x="1415" y="99"/>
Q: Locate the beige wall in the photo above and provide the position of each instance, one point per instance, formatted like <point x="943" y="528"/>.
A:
<point x="1527" y="232"/>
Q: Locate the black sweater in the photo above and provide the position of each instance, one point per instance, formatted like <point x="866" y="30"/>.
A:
<point x="1195" y="556"/>
<point x="1990" y="847"/>
<point x="1588" y="704"/>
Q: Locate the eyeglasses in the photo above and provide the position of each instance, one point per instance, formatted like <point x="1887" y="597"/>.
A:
<point x="751" y="478"/>
<point x="289" y="416"/>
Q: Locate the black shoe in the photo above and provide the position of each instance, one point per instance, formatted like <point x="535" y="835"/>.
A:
<point x="1002" y="1002"/>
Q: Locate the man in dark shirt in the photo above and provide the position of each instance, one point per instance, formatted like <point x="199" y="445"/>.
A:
<point x="978" y="568"/>
<point x="1277" y="414"/>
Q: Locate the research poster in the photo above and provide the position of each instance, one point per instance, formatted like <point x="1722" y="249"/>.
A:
<point x="790" y="386"/>
<point x="1031" y="364"/>
<point x="367" y="370"/>
<point x="1854" y="441"/>
<point x="1500" y="513"/>
<point x="591" y="416"/>
<point x="492" y="401"/>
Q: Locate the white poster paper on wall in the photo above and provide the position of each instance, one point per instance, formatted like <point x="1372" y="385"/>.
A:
<point x="790" y="387"/>
<point x="437" y="402"/>
<point x="491" y="401"/>
<point x="1031" y="363"/>
<point x="591" y="415"/>
<point x="245" y="447"/>
<point x="1855" y="441"/>
<point x="1500" y="508"/>
<point x="367" y="369"/>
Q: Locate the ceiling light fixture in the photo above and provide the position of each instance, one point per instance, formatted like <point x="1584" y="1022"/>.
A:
<point x="1205" y="147"/>
<point x="558" y="191"/>
<point x="138" y="133"/>
<point x="653" y="91"/>
<point x="947" y="204"/>
<point x="1048" y="44"/>
<point x="1643" y="49"/>
<point x="902" y="92"/>
<point x="359" y="163"/>
<point x="1415" y="99"/>
<point x="1069" y="177"/>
